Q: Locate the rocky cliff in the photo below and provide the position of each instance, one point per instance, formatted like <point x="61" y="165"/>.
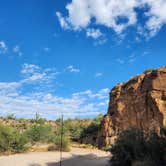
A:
<point x="139" y="103"/>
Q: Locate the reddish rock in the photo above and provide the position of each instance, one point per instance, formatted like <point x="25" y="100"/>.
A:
<point x="139" y="103"/>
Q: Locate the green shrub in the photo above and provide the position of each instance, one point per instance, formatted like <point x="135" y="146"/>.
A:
<point x="39" y="119"/>
<point x="65" y="143"/>
<point x="11" y="140"/>
<point x="75" y="128"/>
<point x="65" y="139"/>
<point x="19" y="142"/>
<point x="11" y="116"/>
<point x="93" y="128"/>
<point x="40" y="132"/>
<point x="133" y="148"/>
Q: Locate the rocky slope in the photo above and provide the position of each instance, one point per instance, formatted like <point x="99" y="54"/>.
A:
<point x="139" y="103"/>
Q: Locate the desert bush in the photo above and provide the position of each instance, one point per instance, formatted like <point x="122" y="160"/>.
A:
<point x="133" y="148"/>
<point x="65" y="139"/>
<point x="80" y="128"/>
<point x="39" y="119"/>
<point x="156" y="149"/>
<point x="93" y="127"/>
<point x="148" y="70"/>
<point x="40" y="132"/>
<point x="11" y="116"/>
<point x="65" y="143"/>
<point x="75" y="128"/>
<point x="11" y="140"/>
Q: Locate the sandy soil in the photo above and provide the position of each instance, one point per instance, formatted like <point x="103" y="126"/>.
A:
<point x="76" y="157"/>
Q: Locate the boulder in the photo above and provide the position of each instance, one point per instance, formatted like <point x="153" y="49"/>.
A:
<point x="139" y="103"/>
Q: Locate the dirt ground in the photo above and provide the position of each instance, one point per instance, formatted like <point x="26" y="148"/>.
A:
<point x="76" y="157"/>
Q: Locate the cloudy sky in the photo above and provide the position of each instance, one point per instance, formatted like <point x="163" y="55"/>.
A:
<point x="66" y="55"/>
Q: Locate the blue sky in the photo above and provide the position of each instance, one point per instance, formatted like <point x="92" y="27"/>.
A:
<point x="61" y="55"/>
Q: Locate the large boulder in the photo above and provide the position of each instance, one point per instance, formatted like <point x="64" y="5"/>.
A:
<point x="139" y="103"/>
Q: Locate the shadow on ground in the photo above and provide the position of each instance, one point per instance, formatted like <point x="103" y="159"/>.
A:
<point x="83" y="160"/>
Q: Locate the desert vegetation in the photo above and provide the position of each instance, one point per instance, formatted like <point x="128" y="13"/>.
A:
<point x="131" y="148"/>
<point x="135" y="148"/>
<point x="11" y="140"/>
<point x="19" y="135"/>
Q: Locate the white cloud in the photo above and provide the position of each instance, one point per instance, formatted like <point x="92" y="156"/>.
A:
<point x="72" y="69"/>
<point x="16" y="98"/>
<point x="101" y="94"/>
<point x="46" y="49"/>
<point x="121" y="61"/>
<point x="93" y="33"/>
<point x="29" y="68"/>
<point x="62" y="21"/>
<point x="100" y="41"/>
<point x="3" y="47"/>
<point x="50" y="106"/>
<point x="33" y="73"/>
<point x="9" y="89"/>
<point x="132" y="58"/>
<point x="113" y="14"/>
<point x="16" y="50"/>
<point x="98" y="74"/>
<point x="145" y="53"/>
<point x="157" y="15"/>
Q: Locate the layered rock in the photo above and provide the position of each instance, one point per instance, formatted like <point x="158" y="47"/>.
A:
<point x="139" y="103"/>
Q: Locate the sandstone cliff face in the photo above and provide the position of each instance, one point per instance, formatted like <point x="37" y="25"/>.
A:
<point x="139" y="103"/>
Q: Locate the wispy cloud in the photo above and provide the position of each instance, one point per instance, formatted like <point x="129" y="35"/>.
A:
<point x="132" y="58"/>
<point x="46" y="49"/>
<point x="17" y="50"/>
<point x="93" y="33"/>
<point x="121" y="61"/>
<point x="3" y="47"/>
<point x="98" y="74"/>
<point x="34" y="74"/>
<point x="23" y="101"/>
<point x="63" y="22"/>
<point x="6" y="49"/>
<point x="145" y="53"/>
<point x="72" y="69"/>
<point x="101" y="94"/>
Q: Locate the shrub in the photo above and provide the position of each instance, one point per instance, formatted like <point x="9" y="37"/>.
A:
<point x="148" y="70"/>
<point x="39" y="119"/>
<point x="19" y="142"/>
<point x="11" y="116"/>
<point x="156" y="148"/>
<point x="65" y="143"/>
<point x="134" y="148"/>
<point x="75" y="128"/>
<point x="93" y="128"/>
<point x="65" y="139"/>
<point x="11" y="140"/>
<point x="40" y="132"/>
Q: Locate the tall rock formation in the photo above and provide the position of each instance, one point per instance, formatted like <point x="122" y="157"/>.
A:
<point x="139" y="103"/>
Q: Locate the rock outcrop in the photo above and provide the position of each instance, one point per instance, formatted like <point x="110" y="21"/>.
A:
<point x="139" y="103"/>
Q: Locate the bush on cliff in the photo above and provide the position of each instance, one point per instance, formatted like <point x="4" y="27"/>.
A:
<point x="148" y="70"/>
<point x="133" y="148"/>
